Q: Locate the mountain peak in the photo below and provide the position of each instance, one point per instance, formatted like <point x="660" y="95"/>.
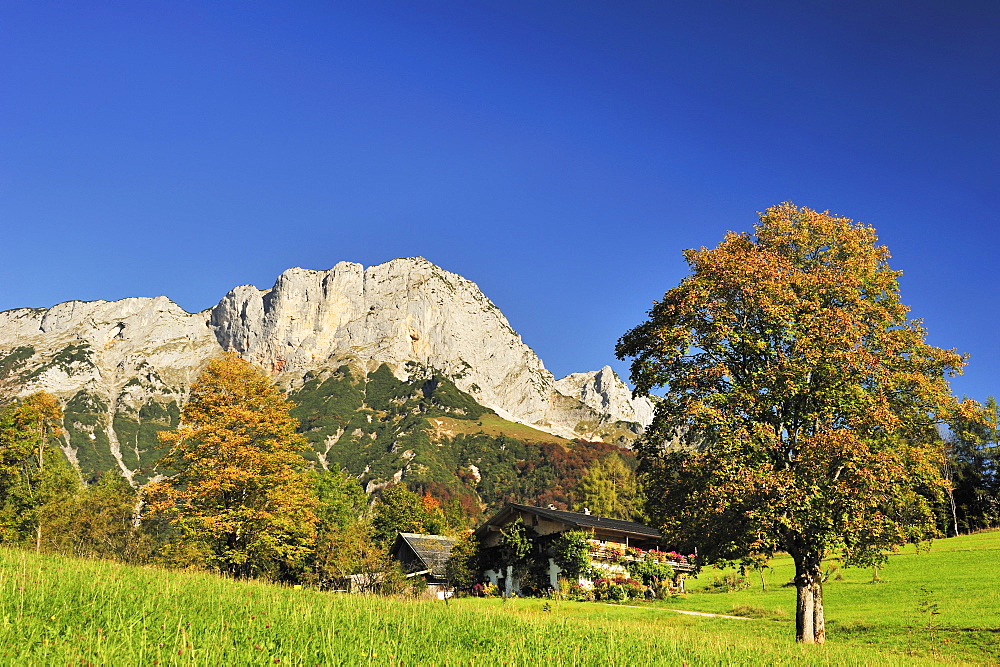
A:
<point x="111" y="361"/>
<point x="605" y="392"/>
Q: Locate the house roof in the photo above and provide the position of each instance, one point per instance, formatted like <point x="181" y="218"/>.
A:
<point x="432" y="550"/>
<point x="572" y="519"/>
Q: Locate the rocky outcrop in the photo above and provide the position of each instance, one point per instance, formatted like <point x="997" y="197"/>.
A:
<point x="122" y="339"/>
<point x="108" y="361"/>
<point x="605" y="393"/>
<point x="403" y="310"/>
<point x="124" y="367"/>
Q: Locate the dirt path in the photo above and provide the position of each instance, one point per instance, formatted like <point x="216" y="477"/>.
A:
<point x="683" y="611"/>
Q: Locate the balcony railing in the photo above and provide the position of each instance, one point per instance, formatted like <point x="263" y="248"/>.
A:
<point x="617" y="554"/>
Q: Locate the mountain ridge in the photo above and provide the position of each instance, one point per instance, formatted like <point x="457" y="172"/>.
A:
<point x="123" y="368"/>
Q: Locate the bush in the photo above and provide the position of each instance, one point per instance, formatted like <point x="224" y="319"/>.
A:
<point x="649" y="569"/>
<point x="419" y="587"/>
<point x="663" y="589"/>
<point x="571" y="552"/>
<point x="580" y="593"/>
<point x="486" y="590"/>
<point x="727" y="583"/>
<point x="618" y="589"/>
<point x="749" y="611"/>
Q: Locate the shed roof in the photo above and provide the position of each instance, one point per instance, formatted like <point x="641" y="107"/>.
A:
<point x="572" y="520"/>
<point x="432" y="550"/>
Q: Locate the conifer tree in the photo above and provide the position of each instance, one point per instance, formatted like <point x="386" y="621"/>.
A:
<point x="610" y="489"/>
<point x="972" y="469"/>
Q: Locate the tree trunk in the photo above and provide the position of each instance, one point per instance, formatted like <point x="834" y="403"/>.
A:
<point x="803" y="611"/>
<point x="810" y="625"/>
<point x="954" y="510"/>
<point x="949" y="475"/>
<point x="819" y="619"/>
<point x="41" y="465"/>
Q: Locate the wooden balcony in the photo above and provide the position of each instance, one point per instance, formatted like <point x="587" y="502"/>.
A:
<point x="604" y="552"/>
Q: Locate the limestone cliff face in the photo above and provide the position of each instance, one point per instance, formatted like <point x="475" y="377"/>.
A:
<point x="403" y="310"/>
<point x="596" y="406"/>
<point x="123" y="368"/>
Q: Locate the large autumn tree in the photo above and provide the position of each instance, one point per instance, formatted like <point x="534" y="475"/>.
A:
<point x="800" y="405"/>
<point x="235" y="487"/>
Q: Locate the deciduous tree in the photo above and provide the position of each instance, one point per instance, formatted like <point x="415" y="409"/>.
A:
<point x="972" y="469"/>
<point x="571" y="552"/>
<point x="463" y="568"/>
<point x="236" y="485"/>
<point x="434" y="521"/>
<point x="344" y="544"/>
<point x="803" y="397"/>
<point x="34" y="474"/>
<point x="97" y="522"/>
<point x="400" y="510"/>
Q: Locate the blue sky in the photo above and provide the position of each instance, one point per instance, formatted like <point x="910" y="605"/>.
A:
<point x="559" y="154"/>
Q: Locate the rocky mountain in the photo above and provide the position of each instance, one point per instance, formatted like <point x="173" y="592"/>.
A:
<point x="123" y="368"/>
<point x="604" y="392"/>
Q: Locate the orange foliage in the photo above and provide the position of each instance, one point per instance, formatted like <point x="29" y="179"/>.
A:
<point x="804" y="397"/>
<point x="235" y="484"/>
<point x="430" y="503"/>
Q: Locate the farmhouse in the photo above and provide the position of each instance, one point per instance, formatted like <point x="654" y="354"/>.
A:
<point x="612" y="541"/>
<point x="424" y="556"/>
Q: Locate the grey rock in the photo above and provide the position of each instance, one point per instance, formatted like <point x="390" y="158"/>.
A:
<point x="605" y="393"/>
<point x="137" y="350"/>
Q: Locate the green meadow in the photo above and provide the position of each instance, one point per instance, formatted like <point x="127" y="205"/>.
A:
<point x="62" y="611"/>
<point x="949" y="595"/>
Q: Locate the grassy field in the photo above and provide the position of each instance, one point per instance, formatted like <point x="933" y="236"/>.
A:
<point x="61" y="611"/>
<point x="959" y="578"/>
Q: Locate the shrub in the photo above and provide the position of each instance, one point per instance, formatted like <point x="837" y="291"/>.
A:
<point x="571" y="552"/>
<point x="580" y="593"/>
<point x="727" y="583"/>
<point x="649" y="569"/>
<point x="749" y="611"/>
<point x="618" y="589"/>
<point x="663" y="589"/>
<point x="486" y="590"/>
<point x="419" y="587"/>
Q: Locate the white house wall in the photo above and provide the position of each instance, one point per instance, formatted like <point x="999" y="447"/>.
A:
<point x="510" y="585"/>
<point x="610" y="569"/>
<point x="493" y="576"/>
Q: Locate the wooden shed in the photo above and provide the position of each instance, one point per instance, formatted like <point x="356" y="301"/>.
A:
<point x="424" y="556"/>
